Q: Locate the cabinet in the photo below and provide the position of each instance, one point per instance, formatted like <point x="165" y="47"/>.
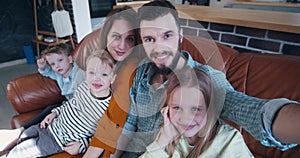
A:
<point x="45" y="34"/>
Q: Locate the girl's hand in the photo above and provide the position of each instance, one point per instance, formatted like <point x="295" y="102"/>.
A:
<point x="168" y="132"/>
<point x="72" y="148"/>
<point x="41" y="63"/>
<point x="47" y="120"/>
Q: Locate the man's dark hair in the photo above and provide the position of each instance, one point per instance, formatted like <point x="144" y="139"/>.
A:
<point x="157" y="8"/>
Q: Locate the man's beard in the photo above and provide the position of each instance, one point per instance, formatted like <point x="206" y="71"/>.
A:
<point x="165" y="70"/>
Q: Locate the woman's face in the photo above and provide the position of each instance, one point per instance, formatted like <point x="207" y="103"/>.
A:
<point x="120" y="40"/>
<point x="187" y="110"/>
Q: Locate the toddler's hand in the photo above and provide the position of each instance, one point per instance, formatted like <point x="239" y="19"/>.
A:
<point x="41" y="63"/>
<point x="47" y="120"/>
<point x="72" y="148"/>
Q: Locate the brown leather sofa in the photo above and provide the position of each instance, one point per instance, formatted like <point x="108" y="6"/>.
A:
<point x="259" y="75"/>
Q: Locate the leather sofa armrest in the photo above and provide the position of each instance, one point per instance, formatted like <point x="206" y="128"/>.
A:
<point x="33" y="92"/>
<point x="18" y="120"/>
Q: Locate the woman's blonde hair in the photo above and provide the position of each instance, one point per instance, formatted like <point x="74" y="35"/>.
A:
<point x="198" y="78"/>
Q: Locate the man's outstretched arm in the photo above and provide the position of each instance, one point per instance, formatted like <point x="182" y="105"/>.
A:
<point x="286" y="124"/>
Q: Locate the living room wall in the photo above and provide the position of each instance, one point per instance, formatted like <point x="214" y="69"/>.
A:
<point x="17" y="25"/>
<point x="245" y="39"/>
<point x="16" y="28"/>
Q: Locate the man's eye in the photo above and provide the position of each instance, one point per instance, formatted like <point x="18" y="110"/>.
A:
<point x="60" y="59"/>
<point x="91" y="73"/>
<point x="167" y="36"/>
<point x="147" y="40"/>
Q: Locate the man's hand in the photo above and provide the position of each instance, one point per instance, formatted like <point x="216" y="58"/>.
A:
<point x="47" y="120"/>
<point x="72" y="148"/>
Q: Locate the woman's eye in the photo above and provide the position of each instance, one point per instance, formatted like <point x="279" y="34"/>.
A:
<point x="130" y="39"/>
<point x="167" y="36"/>
<point x="116" y="37"/>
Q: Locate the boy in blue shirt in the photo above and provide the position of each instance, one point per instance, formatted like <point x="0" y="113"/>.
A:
<point x="61" y="68"/>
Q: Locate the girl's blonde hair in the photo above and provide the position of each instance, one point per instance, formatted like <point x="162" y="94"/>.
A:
<point x="198" y="78"/>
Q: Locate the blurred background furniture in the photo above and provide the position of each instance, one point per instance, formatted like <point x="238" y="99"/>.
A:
<point x="46" y="34"/>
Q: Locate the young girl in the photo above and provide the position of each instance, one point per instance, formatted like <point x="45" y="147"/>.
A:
<point x="191" y="125"/>
<point x="69" y="127"/>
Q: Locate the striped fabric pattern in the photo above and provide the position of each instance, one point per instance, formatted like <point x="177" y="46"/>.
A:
<point x="77" y="119"/>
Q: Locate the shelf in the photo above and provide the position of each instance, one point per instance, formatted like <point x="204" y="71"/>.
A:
<point x="44" y="43"/>
<point x="47" y="34"/>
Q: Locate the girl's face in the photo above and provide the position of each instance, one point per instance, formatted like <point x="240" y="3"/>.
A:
<point x="60" y="63"/>
<point x="187" y="110"/>
<point x="120" y="40"/>
<point x="99" y="76"/>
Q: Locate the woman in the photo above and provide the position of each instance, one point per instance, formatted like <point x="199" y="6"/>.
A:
<point x="119" y="36"/>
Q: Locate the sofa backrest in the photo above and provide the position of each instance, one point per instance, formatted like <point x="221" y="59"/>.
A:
<point x="209" y="52"/>
<point x="266" y="75"/>
<point x="86" y="47"/>
<point x="260" y="75"/>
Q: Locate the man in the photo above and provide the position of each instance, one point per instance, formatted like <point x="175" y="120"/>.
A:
<point x="161" y="36"/>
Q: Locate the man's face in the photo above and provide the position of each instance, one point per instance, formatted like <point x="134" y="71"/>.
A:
<point x="161" y="40"/>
